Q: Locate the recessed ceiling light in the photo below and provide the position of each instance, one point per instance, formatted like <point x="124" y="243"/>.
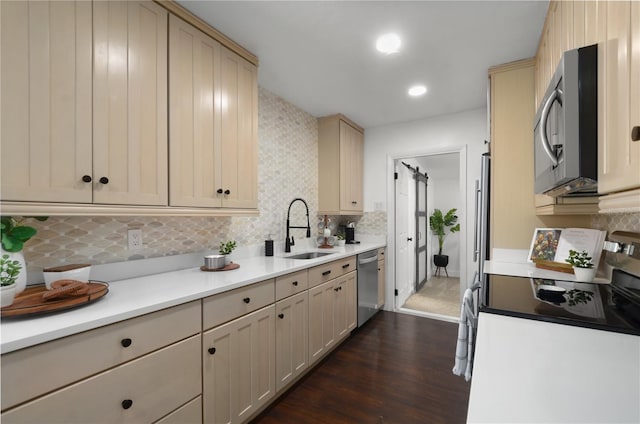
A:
<point x="388" y="43"/>
<point x="417" y="90"/>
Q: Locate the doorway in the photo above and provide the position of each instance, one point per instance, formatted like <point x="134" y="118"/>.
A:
<point x="423" y="184"/>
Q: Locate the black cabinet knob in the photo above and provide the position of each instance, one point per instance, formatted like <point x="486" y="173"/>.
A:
<point x="409" y="238"/>
<point x="127" y="403"/>
<point x="219" y="191"/>
<point x="635" y="133"/>
<point x="295" y="283"/>
<point x="125" y="342"/>
<point x="227" y="191"/>
<point x="104" y="180"/>
<point x="86" y="178"/>
<point x="336" y="289"/>
<point x="211" y="350"/>
<point x="246" y="300"/>
<point x="281" y="316"/>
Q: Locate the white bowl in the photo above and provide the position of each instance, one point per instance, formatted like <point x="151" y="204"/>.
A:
<point x="79" y="274"/>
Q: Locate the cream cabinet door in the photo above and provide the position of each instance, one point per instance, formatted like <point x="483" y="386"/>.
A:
<point x="346" y="307"/>
<point x="194" y="117"/>
<point x="381" y="283"/>
<point x="351" y="167"/>
<point x="292" y="344"/>
<point x="321" y="320"/>
<point x="46" y="101"/>
<point x="130" y="103"/>
<point x="238" y="367"/>
<point x="239" y="131"/>
<point x="619" y="156"/>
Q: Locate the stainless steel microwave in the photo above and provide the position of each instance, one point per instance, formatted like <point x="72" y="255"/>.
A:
<point x="566" y="127"/>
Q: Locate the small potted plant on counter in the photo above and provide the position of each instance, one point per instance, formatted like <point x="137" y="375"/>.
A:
<point x="14" y="235"/>
<point x="9" y="272"/>
<point x="582" y="266"/>
<point x="226" y="248"/>
<point x="340" y="237"/>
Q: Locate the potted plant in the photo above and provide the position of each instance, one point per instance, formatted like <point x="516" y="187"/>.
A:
<point x="582" y="266"/>
<point x="439" y="224"/>
<point x="9" y="273"/>
<point x="14" y="234"/>
<point x="226" y="248"/>
<point x="340" y="237"/>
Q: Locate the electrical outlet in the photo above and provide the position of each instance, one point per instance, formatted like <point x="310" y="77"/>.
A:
<point x="134" y="237"/>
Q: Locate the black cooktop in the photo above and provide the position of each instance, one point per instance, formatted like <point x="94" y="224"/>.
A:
<point x="599" y="306"/>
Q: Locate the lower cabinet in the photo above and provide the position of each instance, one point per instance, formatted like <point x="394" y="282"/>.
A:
<point x="292" y="344"/>
<point x="143" y="390"/>
<point x="238" y="367"/>
<point x="332" y="314"/>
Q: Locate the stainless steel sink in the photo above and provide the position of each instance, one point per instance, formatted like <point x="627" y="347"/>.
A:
<point x="308" y="255"/>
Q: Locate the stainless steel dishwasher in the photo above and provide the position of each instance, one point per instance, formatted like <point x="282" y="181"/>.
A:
<point x="367" y="285"/>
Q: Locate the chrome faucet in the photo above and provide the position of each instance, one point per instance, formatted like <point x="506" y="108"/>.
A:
<point x="290" y="241"/>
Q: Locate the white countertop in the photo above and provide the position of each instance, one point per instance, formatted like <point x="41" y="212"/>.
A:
<point x="132" y="297"/>
<point x="528" y="371"/>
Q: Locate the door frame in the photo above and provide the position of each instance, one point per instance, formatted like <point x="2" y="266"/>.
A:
<point x="465" y="235"/>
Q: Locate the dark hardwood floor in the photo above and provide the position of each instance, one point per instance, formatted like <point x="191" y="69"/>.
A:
<point x="396" y="369"/>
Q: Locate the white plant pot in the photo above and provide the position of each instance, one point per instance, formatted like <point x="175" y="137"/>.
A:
<point x="7" y="294"/>
<point x="21" y="281"/>
<point x="584" y="275"/>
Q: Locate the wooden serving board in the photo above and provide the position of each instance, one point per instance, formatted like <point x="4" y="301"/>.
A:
<point x="227" y="267"/>
<point x="30" y="301"/>
<point x="553" y="266"/>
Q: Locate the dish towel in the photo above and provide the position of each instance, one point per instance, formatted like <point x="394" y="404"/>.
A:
<point x="465" y="337"/>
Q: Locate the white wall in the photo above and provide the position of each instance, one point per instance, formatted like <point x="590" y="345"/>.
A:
<point x="464" y="132"/>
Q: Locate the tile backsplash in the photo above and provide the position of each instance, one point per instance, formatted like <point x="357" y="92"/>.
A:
<point x="617" y="222"/>
<point x="287" y="168"/>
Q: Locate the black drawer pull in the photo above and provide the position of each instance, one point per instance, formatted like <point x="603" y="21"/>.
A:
<point x="211" y="350"/>
<point x="127" y="403"/>
<point x="246" y="300"/>
<point x="326" y="273"/>
<point x="635" y="134"/>
<point x="295" y="283"/>
<point x="340" y="288"/>
<point x="346" y="266"/>
<point x="336" y="289"/>
<point x="281" y="316"/>
<point x="125" y="342"/>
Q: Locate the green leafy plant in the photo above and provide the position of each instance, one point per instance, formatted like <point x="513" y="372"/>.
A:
<point x="14" y="234"/>
<point x="340" y="235"/>
<point x="9" y="270"/>
<point x="579" y="259"/>
<point x="227" y="247"/>
<point x="439" y="224"/>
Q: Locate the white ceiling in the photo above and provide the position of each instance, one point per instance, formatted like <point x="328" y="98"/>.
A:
<point x="320" y="55"/>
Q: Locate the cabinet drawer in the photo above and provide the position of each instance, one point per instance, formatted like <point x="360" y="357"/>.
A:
<point x="63" y="361"/>
<point x="142" y="390"/>
<point x="191" y="413"/>
<point x="290" y="284"/>
<point x="227" y="306"/>
<point x="326" y="272"/>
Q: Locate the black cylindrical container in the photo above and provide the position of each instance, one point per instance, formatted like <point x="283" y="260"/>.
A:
<point x="268" y="247"/>
<point x="350" y="235"/>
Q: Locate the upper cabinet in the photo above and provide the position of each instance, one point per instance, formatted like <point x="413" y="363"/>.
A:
<point x="619" y="115"/>
<point x="340" y="166"/>
<point x="87" y="105"/>
<point x="130" y="103"/>
<point x="46" y="101"/>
